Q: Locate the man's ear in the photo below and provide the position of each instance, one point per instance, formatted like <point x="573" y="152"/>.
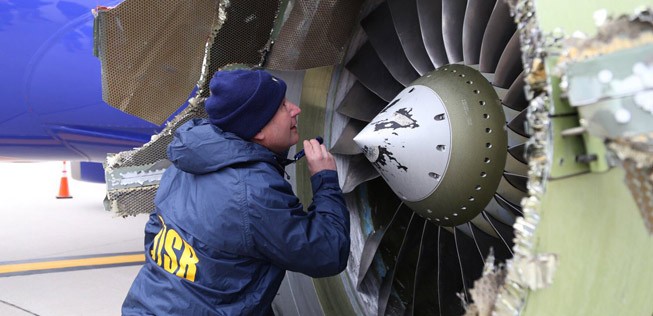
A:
<point x="260" y="136"/>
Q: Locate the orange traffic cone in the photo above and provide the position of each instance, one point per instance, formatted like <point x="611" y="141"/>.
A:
<point x="63" y="185"/>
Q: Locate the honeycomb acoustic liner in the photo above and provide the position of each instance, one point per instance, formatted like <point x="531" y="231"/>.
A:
<point x="152" y="54"/>
<point x="321" y="41"/>
<point x="244" y="37"/>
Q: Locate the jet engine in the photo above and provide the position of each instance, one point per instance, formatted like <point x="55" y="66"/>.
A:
<point x="468" y="142"/>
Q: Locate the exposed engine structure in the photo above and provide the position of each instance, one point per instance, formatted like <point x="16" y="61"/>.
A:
<point x="460" y="127"/>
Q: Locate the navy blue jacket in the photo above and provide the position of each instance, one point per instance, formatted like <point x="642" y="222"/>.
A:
<point x="227" y="226"/>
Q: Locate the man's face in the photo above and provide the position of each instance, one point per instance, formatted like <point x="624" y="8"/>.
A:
<point x="281" y="131"/>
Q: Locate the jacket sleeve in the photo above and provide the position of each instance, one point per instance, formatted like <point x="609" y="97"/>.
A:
<point x="313" y="242"/>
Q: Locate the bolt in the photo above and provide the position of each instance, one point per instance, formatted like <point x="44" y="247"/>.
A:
<point x="586" y="158"/>
<point x="644" y="101"/>
<point x="622" y="116"/>
<point x="605" y="76"/>
<point x="639" y="68"/>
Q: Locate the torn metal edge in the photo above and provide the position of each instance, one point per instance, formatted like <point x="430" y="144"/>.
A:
<point x="535" y="47"/>
<point x="114" y="163"/>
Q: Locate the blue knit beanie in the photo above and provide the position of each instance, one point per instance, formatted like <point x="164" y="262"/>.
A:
<point x="243" y="101"/>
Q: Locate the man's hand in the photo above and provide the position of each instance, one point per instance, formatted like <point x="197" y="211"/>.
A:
<point x="318" y="157"/>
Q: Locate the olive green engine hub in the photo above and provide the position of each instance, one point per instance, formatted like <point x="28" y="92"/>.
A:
<point x="441" y="144"/>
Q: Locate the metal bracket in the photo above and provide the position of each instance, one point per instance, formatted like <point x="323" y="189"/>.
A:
<point x="570" y="155"/>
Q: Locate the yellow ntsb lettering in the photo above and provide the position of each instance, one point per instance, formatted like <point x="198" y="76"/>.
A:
<point x="167" y="246"/>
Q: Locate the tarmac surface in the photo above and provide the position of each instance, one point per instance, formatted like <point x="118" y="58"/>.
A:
<point x="62" y="256"/>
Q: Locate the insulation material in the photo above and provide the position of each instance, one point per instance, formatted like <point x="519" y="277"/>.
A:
<point x="133" y="176"/>
<point x="640" y="183"/>
<point x="614" y="34"/>
<point x="535" y="273"/>
<point x="314" y="35"/>
<point x="485" y="290"/>
<point x="152" y="54"/>
<point x="636" y="154"/>
<point x="244" y="37"/>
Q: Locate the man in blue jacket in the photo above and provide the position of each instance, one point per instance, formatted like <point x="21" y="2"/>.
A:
<point x="227" y="225"/>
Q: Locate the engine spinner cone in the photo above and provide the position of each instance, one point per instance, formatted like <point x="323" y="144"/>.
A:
<point x="441" y="144"/>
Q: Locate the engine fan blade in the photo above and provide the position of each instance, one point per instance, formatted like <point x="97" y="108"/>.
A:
<point x="476" y="17"/>
<point x="367" y="255"/>
<point x="518" y="181"/>
<point x="514" y="165"/>
<point x="449" y="276"/>
<point x="370" y="71"/>
<point x="515" y="98"/>
<point x="514" y="138"/>
<point x="499" y="212"/>
<point x="469" y="231"/>
<point x="504" y="231"/>
<point x="371" y="247"/>
<point x="360" y="170"/>
<point x="410" y="241"/>
<point x="487" y="244"/>
<point x="510" y="65"/>
<point x="361" y="103"/>
<point x="426" y="299"/>
<point x="345" y="144"/>
<point x="471" y="265"/>
<point x="480" y="223"/>
<point x="518" y="153"/>
<point x="384" y="39"/>
<point x="509" y="192"/>
<point x="515" y="209"/>
<point x="453" y="15"/>
<point x="430" y="21"/>
<point x="497" y="34"/>
<point x="517" y="124"/>
<point x="407" y="27"/>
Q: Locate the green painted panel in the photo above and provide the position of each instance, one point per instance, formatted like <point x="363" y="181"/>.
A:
<point x="605" y="254"/>
<point x="566" y="148"/>
<point x="577" y="15"/>
<point x="311" y="120"/>
<point x="331" y="292"/>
